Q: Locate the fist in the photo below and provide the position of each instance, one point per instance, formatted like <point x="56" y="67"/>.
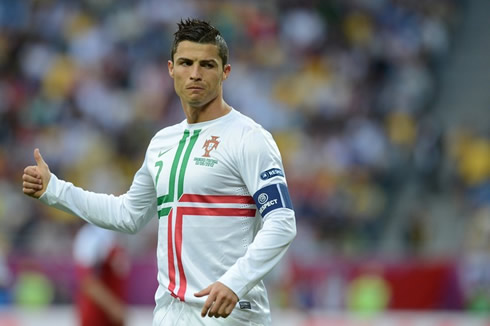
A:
<point x="36" y="177"/>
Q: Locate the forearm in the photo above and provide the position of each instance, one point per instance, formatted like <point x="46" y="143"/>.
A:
<point x="268" y="247"/>
<point x="107" y="211"/>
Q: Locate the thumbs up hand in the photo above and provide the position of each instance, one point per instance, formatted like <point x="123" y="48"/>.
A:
<point x="36" y="177"/>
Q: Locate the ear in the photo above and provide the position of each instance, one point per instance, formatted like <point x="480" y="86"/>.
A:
<point x="226" y="71"/>
<point x="170" y="66"/>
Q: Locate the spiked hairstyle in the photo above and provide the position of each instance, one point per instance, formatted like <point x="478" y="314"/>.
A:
<point x="200" y="31"/>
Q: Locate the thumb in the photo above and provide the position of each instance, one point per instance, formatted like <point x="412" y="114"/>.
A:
<point x="38" y="157"/>
<point x="203" y="292"/>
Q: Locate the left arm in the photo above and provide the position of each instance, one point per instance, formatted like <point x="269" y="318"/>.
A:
<point x="268" y="247"/>
<point x="278" y="230"/>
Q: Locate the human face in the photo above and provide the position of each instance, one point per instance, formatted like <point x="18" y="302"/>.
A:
<point x="198" y="73"/>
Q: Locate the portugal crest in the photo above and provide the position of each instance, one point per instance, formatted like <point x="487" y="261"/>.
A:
<point x="210" y="144"/>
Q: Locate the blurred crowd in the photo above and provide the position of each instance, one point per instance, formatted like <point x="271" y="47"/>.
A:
<point x="345" y="86"/>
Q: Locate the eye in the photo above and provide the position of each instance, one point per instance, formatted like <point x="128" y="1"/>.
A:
<point x="185" y="63"/>
<point x="208" y="65"/>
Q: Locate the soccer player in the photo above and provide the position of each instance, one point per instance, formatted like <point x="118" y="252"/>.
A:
<point x="102" y="268"/>
<point x="216" y="183"/>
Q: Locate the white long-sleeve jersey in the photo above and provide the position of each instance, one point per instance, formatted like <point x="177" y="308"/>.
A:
<point x="220" y="194"/>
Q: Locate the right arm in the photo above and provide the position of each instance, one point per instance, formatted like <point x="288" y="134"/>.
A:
<point x="127" y="213"/>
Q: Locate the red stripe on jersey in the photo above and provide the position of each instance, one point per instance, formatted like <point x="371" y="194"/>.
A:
<point x="178" y="252"/>
<point x="216" y="211"/>
<point x="181" y="211"/>
<point x="170" y="255"/>
<point x="216" y="199"/>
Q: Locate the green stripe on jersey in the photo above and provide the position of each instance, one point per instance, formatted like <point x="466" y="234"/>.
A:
<point x="168" y="198"/>
<point x="186" y="160"/>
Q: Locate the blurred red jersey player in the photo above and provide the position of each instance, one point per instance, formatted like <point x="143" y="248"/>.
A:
<point x="102" y="267"/>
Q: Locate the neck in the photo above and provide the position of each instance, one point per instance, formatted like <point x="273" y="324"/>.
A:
<point x="213" y="110"/>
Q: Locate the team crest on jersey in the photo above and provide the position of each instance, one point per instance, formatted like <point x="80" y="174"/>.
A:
<point x="209" y="146"/>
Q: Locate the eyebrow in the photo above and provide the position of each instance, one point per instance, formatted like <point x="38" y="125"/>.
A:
<point x="209" y="61"/>
<point x="200" y="61"/>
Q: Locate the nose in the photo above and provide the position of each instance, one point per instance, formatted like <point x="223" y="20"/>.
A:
<point x="196" y="73"/>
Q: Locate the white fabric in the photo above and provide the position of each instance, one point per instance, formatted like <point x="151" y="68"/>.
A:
<point x="220" y="160"/>
<point x="177" y="313"/>
<point x="92" y="245"/>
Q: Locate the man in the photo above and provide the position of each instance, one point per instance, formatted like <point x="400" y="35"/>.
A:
<point x="217" y="184"/>
<point x="102" y="268"/>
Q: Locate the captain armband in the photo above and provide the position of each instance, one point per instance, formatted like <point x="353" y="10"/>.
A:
<point x="272" y="197"/>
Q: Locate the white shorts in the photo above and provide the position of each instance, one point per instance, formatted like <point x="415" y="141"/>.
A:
<point x="174" y="312"/>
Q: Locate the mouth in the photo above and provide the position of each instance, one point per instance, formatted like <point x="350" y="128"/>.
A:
<point x="195" y="87"/>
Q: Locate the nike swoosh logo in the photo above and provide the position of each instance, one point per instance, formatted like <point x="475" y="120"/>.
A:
<point x="161" y="153"/>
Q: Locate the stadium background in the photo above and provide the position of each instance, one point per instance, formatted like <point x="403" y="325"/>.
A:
<point x="380" y="109"/>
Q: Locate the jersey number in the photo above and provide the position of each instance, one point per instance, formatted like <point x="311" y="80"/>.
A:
<point x="158" y="164"/>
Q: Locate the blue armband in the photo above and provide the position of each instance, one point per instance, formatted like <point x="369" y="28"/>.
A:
<point x="272" y="197"/>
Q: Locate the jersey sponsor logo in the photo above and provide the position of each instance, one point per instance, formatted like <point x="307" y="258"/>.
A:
<point x="209" y="145"/>
<point x="272" y="197"/>
<point x="161" y="153"/>
<point x="245" y="305"/>
<point x="271" y="173"/>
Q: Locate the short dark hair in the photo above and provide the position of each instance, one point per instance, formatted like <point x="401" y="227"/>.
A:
<point x="200" y="31"/>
